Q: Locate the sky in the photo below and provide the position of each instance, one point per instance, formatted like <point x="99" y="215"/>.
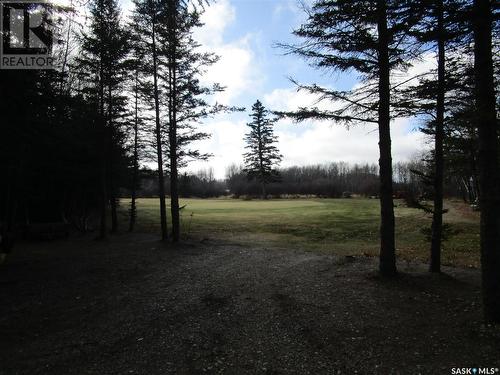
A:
<point x="244" y="33"/>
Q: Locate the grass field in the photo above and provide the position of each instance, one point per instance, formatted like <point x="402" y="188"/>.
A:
<point x="340" y="226"/>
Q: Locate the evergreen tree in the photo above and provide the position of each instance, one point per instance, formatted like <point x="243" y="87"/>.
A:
<point x="460" y="142"/>
<point x="186" y="98"/>
<point x="438" y="28"/>
<point x="135" y="148"/>
<point x="102" y="64"/>
<point x="437" y="218"/>
<point x="164" y="31"/>
<point x="430" y="101"/>
<point x="370" y="38"/>
<point x="148" y="20"/>
<point x="263" y="156"/>
<point x="489" y="168"/>
<point x="138" y="120"/>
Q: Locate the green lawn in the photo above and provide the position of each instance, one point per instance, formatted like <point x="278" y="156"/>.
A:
<point x="340" y="226"/>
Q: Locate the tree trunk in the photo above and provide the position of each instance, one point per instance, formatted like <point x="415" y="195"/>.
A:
<point x="135" y="173"/>
<point x="113" y="202"/>
<point x="111" y="174"/>
<point x="159" y="151"/>
<point x="387" y="265"/>
<point x="262" y="171"/>
<point x="489" y="181"/>
<point x="475" y="193"/>
<point x="437" y="216"/>
<point x="9" y="192"/>
<point x="104" y="196"/>
<point x="103" y="145"/>
<point x="174" y="178"/>
<point x="174" y="201"/>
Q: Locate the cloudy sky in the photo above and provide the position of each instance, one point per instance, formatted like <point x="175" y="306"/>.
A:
<point x="244" y="34"/>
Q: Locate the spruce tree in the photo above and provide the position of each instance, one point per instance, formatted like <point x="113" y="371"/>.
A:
<point x="263" y="156"/>
<point x="148" y="19"/>
<point x="371" y="39"/>
<point x="164" y="31"/>
<point x="186" y="98"/>
<point x="137" y="122"/>
<point x="101" y="65"/>
<point x="437" y="217"/>
<point x="441" y="30"/>
<point x="489" y="168"/>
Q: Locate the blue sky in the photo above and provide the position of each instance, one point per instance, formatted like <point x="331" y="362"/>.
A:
<point x="244" y="34"/>
<point x="266" y="23"/>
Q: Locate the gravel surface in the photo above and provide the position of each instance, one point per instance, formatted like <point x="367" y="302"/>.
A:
<point x="132" y="305"/>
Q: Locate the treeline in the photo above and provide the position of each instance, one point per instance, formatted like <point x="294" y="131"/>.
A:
<point x="333" y="180"/>
<point x="201" y="184"/>
<point x="329" y="181"/>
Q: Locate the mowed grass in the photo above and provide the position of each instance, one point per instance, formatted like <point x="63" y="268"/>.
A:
<point x="339" y="226"/>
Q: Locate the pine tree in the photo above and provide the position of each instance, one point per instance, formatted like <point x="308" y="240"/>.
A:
<point x="102" y="65"/>
<point x="437" y="217"/>
<point x="186" y="98"/>
<point x="460" y="142"/>
<point x="135" y="148"/>
<point x="164" y="33"/>
<point x="489" y="168"/>
<point x="148" y="19"/>
<point x="441" y="29"/>
<point x="370" y="38"/>
<point x="263" y="156"/>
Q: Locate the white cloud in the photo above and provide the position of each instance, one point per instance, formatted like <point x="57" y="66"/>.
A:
<point x="321" y="142"/>
<point x="285" y="8"/>
<point x="216" y="18"/>
<point x="288" y="99"/>
<point x="236" y="70"/>
<point x="426" y="64"/>
<point x="226" y="145"/>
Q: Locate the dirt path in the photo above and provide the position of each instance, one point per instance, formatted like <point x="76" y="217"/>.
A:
<point x="131" y="306"/>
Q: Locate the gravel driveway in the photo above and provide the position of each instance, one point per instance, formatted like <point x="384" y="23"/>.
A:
<point x="132" y="305"/>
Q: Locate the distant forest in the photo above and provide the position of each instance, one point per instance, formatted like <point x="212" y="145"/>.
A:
<point x="334" y="180"/>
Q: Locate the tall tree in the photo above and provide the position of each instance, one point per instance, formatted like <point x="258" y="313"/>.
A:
<point x="263" y="156"/>
<point x="387" y="223"/>
<point x="440" y="28"/>
<point x="185" y="96"/>
<point x="148" y="19"/>
<point x="370" y="38"/>
<point x="135" y="147"/>
<point x="437" y="217"/>
<point x="102" y="64"/>
<point x="429" y="99"/>
<point x="489" y="168"/>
